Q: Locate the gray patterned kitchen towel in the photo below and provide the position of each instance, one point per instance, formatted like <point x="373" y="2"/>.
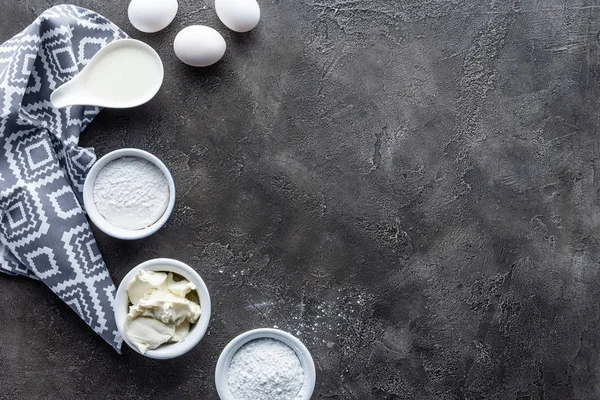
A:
<point x="44" y="232"/>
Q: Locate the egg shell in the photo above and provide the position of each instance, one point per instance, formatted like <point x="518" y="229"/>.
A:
<point x="151" y="15"/>
<point x="238" y="15"/>
<point x="199" y="46"/>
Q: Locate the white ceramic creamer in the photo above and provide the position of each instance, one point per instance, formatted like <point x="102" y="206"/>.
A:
<point x="126" y="73"/>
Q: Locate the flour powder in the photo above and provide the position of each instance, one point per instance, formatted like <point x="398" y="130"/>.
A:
<point x="265" y="369"/>
<point x="131" y="193"/>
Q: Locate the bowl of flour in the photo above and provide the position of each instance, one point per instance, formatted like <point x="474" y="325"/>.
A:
<point x="265" y="364"/>
<point x="129" y="194"/>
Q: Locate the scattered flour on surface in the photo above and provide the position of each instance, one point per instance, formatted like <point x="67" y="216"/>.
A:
<point x="265" y="369"/>
<point x="131" y="193"/>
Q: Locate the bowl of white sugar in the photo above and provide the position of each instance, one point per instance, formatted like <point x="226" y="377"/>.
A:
<point x="265" y="364"/>
<point x="129" y="194"/>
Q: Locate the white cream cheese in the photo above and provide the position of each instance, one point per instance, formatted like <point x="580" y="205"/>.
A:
<point x="148" y="333"/>
<point x="160" y="312"/>
<point x="144" y="282"/>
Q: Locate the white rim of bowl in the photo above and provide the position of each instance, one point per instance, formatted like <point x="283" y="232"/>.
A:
<point x="171" y="350"/>
<point x="101" y="222"/>
<point x="308" y="365"/>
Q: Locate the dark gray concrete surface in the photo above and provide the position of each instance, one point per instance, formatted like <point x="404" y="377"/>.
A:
<point x="408" y="186"/>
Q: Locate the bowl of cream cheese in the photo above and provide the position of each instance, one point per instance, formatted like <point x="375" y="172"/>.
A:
<point x="129" y="194"/>
<point x="162" y="308"/>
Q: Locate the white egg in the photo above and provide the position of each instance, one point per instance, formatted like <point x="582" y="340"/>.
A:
<point x="238" y="15"/>
<point x="151" y="15"/>
<point x="199" y="46"/>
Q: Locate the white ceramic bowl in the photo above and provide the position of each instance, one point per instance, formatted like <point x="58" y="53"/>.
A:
<point x="100" y="221"/>
<point x="197" y="331"/>
<point x="221" y="372"/>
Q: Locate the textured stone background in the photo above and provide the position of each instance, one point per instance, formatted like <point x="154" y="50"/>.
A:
<point x="408" y="186"/>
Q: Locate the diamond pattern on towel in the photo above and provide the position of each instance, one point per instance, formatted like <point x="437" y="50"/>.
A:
<point x="44" y="233"/>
